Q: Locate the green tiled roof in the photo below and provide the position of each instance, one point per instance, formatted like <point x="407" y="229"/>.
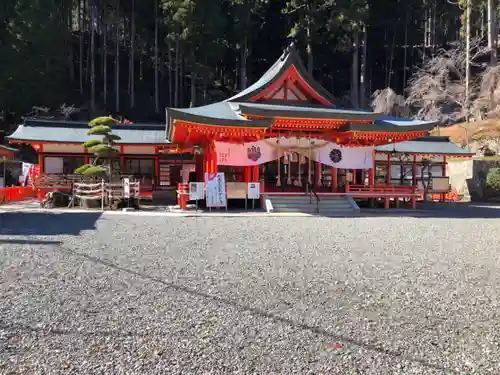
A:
<point x="76" y="132"/>
<point x="426" y="145"/>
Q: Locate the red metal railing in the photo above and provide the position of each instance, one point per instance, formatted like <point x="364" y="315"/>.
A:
<point x="384" y="191"/>
<point x="16" y="194"/>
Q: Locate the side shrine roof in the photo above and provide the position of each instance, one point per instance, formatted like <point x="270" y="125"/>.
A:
<point x="430" y="145"/>
<point x="36" y="130"/>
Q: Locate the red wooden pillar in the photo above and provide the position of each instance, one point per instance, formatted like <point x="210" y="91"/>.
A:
<point x="247" y="174"/>
<point x="389" y="168"/>
<point x="444" y="165"/>
<point x="156" y="179"/>
<point x="86" y="156"/>
<point x="353" y="177"/>
<point x="414" y="171"/>
<point x="334" y="179"/>
<point x="40" y="158"/>
<point x="387" y="200"/>
<point x="255" y="173"/>
<point x="372" y="170"/>
<point x="210" y="159"/>
<point x="122" y="156"/>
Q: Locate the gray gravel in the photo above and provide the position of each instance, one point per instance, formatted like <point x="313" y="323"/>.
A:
<point x="83" y="294"/>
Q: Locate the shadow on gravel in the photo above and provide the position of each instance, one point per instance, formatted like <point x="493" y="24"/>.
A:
<point x="46" y="223"/>
<point x="445" y="211"/>
<point x="259" y="312"/>
<point x="15" y="241"/>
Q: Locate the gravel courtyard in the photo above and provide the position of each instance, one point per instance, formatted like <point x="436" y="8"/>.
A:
<point x="123" y="294"/>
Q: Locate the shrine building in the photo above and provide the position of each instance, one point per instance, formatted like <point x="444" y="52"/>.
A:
<point x="283" y="131"/>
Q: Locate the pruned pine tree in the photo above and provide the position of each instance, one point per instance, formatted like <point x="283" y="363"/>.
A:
<point x="102" y="148"/>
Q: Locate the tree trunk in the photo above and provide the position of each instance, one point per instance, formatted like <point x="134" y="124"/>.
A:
<point x="157" y="94"/>
<point x="492" y="30"/>
<point x="93" y="20"/>
<point x="117" y="59"/>
<point x="391" y="59"/>
<point x="355" y="71"/>
<point x="80" y="41"/>
<point x="132" y="57"/>
<point x="170" y="76"/>
<point x="181" y="77"/>
<point x="193" y="87"/>
<point x="310" y="59"/>
<point x="405" y="59"/>
<point x="177" y="72"/>
<point x="69" y="46"/>
<point x="467" y="57"/>
<point x="105" y="64"/>
<point x="364" y="59"/>
<point x="243" y="63"/>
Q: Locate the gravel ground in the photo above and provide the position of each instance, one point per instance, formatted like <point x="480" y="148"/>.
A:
<point x="113" y="294"/>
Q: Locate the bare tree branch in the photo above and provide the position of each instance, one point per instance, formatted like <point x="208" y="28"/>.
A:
<point x="438" y="89"/>
<point x="388" y="102"/>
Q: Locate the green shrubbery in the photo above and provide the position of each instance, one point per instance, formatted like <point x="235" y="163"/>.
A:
<point x="493" y="181"/>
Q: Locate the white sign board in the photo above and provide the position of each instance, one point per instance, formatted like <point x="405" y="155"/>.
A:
<point x="126" y="187"/>
<point x="196" y="191"/>
<point x="216" y="190"/>
<point x="254" y="190"/>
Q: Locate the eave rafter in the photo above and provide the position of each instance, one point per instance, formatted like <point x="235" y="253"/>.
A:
<point x="225" y="131"/>
<point x="309" y="124"/>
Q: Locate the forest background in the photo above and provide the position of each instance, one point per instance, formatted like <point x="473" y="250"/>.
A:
<point x="81" y="58"/>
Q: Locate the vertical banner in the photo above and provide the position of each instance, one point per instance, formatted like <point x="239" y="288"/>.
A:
<point x="26" y="169"/>
<point x="33" y="173"/>
<point x="126" y="188"/>
<point x="216" y="190"/>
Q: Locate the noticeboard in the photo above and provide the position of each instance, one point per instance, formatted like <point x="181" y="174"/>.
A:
<point x="236" y="190"/>
<point x="196" y="191"/>
<point x="254" y="190"/>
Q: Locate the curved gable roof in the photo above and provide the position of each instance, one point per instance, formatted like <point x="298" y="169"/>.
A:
<point x="289" y="60"/>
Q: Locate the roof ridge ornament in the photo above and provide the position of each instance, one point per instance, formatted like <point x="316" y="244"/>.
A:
<point x="291" y="47"/>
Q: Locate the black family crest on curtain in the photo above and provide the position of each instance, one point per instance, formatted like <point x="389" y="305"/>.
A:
<point x="336" y="156"/>
<point x="253" y="153"/>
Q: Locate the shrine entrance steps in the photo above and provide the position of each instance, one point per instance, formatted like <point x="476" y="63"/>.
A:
<point x="326" y="206"/>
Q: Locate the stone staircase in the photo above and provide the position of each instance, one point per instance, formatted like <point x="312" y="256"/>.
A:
<point x="327" y="206"/>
